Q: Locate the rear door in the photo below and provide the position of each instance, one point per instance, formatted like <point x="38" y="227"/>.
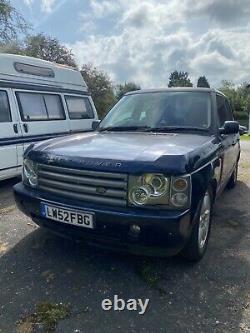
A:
<point x="42" y="115"/>
<point x="10" y="134"/>
<point x="81" y="112"/>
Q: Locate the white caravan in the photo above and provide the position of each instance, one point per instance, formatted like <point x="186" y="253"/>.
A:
<point x="38" y="100"/>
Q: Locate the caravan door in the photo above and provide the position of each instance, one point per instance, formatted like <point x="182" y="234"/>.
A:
<point x="10" y="136"/>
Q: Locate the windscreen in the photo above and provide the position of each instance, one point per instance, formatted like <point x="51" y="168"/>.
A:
<point x="162" y="109"/>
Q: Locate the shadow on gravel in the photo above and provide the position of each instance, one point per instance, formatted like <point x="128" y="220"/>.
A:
<point x="211" y="296"/>
<point x="7" y="198"/>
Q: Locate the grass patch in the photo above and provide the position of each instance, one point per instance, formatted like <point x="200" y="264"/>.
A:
<point x="245" y="137"/>
<point x="150" y="275"/>
<point x="46" y="315"/>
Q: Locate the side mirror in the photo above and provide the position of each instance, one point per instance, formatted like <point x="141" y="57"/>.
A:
<point x="230" y="127"/>
<point x="95" y="124"/>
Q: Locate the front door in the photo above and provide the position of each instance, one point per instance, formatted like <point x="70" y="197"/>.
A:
<point x="228" y="141"/>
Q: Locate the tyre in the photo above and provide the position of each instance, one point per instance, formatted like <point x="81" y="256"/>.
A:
<point x="233" y="179"/>
<point x="197" y="244"/>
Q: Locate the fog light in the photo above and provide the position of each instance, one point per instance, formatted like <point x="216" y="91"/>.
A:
<point x="135" y="229"/>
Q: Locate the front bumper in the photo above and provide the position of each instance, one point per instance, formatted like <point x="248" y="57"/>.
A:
<point x="162" y="232"/>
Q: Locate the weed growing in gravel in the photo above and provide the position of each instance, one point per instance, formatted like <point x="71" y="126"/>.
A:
<point x="46" y="315"/>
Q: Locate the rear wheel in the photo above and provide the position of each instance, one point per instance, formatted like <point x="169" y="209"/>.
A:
<point x="197" y="244"/>
<point x="233" y="179"/>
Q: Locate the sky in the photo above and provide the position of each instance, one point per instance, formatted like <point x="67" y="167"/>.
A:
<point x="144" y="40"/>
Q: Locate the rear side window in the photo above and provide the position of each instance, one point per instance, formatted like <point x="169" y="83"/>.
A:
<point x="223" y="109"/>
<point x="79" y="107"/>
<point x="38" y="106"/>
<point x="5" y="115"/>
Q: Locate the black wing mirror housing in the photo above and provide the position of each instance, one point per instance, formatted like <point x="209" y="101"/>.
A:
<point x="95" y="124"/>
<point x="230" y="127"/>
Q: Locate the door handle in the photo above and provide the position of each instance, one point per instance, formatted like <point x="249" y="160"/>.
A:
<point x="15" y="128"/>
<point x="26" y="128"/>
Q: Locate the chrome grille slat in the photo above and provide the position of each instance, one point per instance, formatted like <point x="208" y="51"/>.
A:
<point x="80" y="188"/>
<point x="89" y="198"/>
<point x="83" y="180"/>
<point x="86" y="185"/>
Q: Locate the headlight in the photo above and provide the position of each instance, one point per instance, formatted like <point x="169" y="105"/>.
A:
<point x="157" y="189"/>
<point x="29" y="172"/>
<point x="148" y="189"/>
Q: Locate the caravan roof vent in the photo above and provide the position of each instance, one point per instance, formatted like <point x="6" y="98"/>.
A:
<point x="34" y="70"/>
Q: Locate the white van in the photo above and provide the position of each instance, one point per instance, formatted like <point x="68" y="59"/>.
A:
<point x="38" y="100"/>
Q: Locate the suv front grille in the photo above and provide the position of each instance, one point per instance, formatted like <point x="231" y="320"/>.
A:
<point x="90" y="186"/>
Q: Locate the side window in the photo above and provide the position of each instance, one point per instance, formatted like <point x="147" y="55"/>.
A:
<point x="79" y="107"/>
<point x="38" y="107"/>
<point x="5" y="115"/>
<point x="229" y="110"/>
<point x="223" y="109"/>
<point x="54" y="107"/>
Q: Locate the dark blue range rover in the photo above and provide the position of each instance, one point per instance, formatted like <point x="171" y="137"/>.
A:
<point x="144" y="180"/>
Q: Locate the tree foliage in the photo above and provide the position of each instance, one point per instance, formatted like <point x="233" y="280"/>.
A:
<point x="48" y="48"/>
<point x="179" y="79"/>
<point x="122" y="89"/>
<point x="239" y="97"/>
<point x="11" y="23"/>
<point x="203" y="82"/>
<point x="100" y="87"/>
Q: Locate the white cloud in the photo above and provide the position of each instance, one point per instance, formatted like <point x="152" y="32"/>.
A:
<point x="47" y="5"/>
<point x="150" y="38"/>
<point x="28" y="2"/>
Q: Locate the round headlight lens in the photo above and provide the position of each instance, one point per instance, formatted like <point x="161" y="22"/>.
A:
<point x="30" y="173"/>
<point x="180" y="184"/>
<point x="140" y="195"/>
<point x="158" y="182"/>
<point x="179" y="199"/>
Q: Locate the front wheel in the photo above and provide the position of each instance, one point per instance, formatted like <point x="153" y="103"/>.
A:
<point x="197" y="244"/>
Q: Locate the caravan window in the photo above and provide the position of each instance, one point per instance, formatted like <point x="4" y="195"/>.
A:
<point x="79" y="107"/>
<point x="5" y="116"/>
<point x="38" y="106"/>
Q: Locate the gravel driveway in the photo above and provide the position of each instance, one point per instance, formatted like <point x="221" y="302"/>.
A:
<point x="57" y="285"/>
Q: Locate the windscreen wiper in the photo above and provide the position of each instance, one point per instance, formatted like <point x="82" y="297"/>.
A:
<point x="174" y="128"/>
<point x="124" y="128"/>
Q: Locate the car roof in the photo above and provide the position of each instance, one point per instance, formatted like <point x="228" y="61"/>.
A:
<point x="175" y="89"/>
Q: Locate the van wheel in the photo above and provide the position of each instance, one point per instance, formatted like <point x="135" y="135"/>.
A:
<point x="197" y="244"/>
<point x="233" y="179"/>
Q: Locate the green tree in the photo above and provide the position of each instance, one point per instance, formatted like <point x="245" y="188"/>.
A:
<point x="48" y="48"/>
<point x="122" y="89"/>
<point x="11" y="23"/>
<point x="100" y="87"/>
<point x="203" y="82"/>
<point x="13" y="47"/>
<point x="239" y="97"/>
<point x="179" y="79"/>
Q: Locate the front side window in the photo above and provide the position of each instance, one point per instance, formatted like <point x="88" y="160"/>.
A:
<point x="39" y="106"/>
<point x="224" y="110"/>
<point x="161" y="110"/>
<point x="79" y="107"/>
<point x="5" y="115"/>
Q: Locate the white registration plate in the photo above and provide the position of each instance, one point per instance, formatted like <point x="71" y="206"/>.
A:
<point x="68" y="216"/>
